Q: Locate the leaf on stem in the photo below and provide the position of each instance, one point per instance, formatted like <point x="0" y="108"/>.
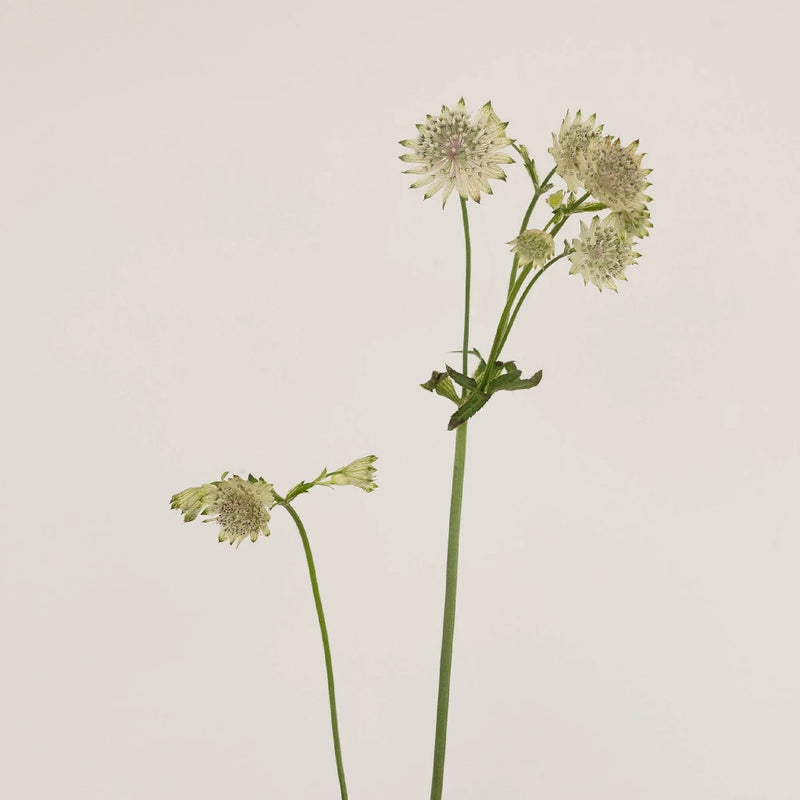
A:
<point x="513" y="381"/>
<point x="474" y="403"/>
<point x="462" y="380"/>
<point x="441" y="384"/>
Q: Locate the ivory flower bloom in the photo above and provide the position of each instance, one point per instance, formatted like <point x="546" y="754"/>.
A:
<point x="601" y="254"/>
<point x="237" y="505"/>
<point x="572" y="140"/>
<point x="454" y="152"/>
<point x="613" y="173"/>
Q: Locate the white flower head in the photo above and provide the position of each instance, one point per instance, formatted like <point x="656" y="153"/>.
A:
<point x="572" y="140"/>
<point x="358" y="473"/>
<point x="533" y="247"/>
<point x="238" y="506"/>
<point x="454" y="152"/>
<point x="601" y="254"/>
<point x="613" y="173"/>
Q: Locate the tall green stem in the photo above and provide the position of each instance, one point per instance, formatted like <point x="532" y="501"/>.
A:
<point x="451" y="577"/>
<point x="337" y="747"/>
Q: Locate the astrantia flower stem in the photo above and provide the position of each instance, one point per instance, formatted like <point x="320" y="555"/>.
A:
<point x="503" y="326"/>
<point x="539" y="191"/>
<point x="467" y="286"/>
<point x="448" y="626"/>
<point x="337" y="747"/>
<point x="516" y="282"/>
<point x="453" y="534"/>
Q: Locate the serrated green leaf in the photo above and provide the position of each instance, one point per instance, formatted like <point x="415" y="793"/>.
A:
<point x="462" y="380"/>
<point x="504" y="382"/>
<point x="529" y="383"/>
<point x="474" y="403"/>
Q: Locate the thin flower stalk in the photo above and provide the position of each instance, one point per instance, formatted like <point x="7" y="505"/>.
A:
<point x="326" y="647"/>
<point x="453" y="537"/>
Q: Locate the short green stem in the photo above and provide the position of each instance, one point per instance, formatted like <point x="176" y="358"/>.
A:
<point x="337" y="747"/>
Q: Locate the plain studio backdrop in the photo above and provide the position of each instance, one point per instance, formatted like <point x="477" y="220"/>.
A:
<point x="211" y="261"/>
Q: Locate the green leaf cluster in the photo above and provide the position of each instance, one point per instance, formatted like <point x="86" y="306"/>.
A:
<point x="477" y="389"/>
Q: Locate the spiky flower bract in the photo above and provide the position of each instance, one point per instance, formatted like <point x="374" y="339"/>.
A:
<point x="238" y="506"/>
<point x="533" y="247"/>
<point x="613" y="173"/>
<point x="454" y="152"/>
<point x="601" y="255"/>
<point x="572" y="140"/>
<point x="358" y="473"/>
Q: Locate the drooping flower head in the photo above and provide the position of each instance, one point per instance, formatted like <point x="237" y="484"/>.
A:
<point x="358" y="473"/>
<point x="572" y="140"/>
<point x="238" y="506"/>
<point x="601" y="254"/>
<point x="613" y="173"/>
<point x="533" y="247"/>
<point x="454" y="152"/>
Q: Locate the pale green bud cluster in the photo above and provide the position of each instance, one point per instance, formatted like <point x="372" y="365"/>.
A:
<point x="358" y="473"/>
<point x="533" y="247"/>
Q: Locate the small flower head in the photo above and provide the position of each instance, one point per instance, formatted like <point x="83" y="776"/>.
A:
<point x="533" y="247"/>
<point x="572" y="140"/>
<point x="613" y="173"/>
<point x="601" y="254"/>
<point x="454" y="152"/>
<point x="633" y="224"/>
<point x="359" y="473"/>
<point x="238" y="506"/>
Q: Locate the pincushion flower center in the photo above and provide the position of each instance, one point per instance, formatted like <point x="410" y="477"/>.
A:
<point x="454" y="147"/>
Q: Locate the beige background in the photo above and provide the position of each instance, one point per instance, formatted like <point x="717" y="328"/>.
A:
<point x="212" y="262"/>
